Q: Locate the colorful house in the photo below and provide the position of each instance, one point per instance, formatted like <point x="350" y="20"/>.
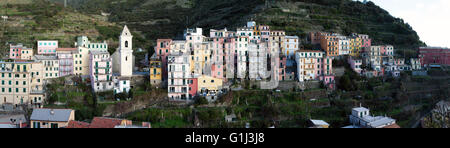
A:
<point x="208" y="85"/>
<point x="313" y="65"/>
<point x="355" y="46"/>
<point x="155" y="70"/>
<point x="51" y="65"/>
<point x="47" y="47"/>
<point x="22" y="83"/>
<point x="434" y="56"/>
<point x="27" y="54"/>
<point x="330" y="44"/>
<point x="20" y="52"/>
<point x="178" y="74"/>
<point x="51" y="118"/>
<point x="100" y="71"/>
<point x="66" y="59"/>
<point x="290" y="45"/>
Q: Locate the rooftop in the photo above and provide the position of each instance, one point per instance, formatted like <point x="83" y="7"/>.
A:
<point x="99" y="52"/>
<point x="319" y="122"/>
<point x="44" y="114"/>
<point x="360" y="109"/>
<point x="104" y="122"/>
<point x="44" y="57"/>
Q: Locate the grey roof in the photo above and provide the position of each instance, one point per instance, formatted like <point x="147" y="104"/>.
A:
<point x="360" y="109"/>
<point x="99" y="52"/>
<point x="59" y="115"/>
<point x="319" y="122"/>
<point x="45" y="57"/>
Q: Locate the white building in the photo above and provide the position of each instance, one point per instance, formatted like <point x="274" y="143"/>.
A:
<point x="245" y="31"/>
<point x="344" y="45"/>
<point x="101" y="71"/>
<point x="51" y="65"/>
<point x="361" y="118"/>
<point x="123" y="59"/>
<point x="389" y="50"/>
<point x="121" y="84"/>
<point x="83" y="41"/>
<point x="242" y="55"/>
<point x="415" y="64"/>
<point x="290" y="46"/>
<point x="178" y="74"/>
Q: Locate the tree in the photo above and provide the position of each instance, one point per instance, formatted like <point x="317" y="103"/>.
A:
<point x="200" y="100"/>
<point x="130" y="94"/>
<point x="121" y="96"/>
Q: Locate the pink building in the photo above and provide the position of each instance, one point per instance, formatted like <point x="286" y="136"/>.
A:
<point x="193" y="87"/>
<point x="355" y="64"/>
<point x="15" y="51"/>
<point x="47" y="47"/>
<point x="434" y="56"/>
<point x="162" y="50"/>
<point x="217" y="58"/>
<point x="230" y="54"/>
<point x="366" y="41"/>
<point x="282" y="68"/>
<point x="265" y="32"/>
<point x="383" y="50"/>
<point x="65" y="56"/>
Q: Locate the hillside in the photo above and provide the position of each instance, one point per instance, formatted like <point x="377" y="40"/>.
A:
<point x="168" y="18"/>
<point x="31" y="20"/>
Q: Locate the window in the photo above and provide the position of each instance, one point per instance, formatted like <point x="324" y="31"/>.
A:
<point x="126" y="44"/>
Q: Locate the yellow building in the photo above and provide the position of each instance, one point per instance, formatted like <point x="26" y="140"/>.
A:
<point x="155" y="70"/>
<point x="27" y="54"/>
<point x="209" y="85"/>
<point x="355" y="46"/>
<point x="51" y="118"/>
<point x="199" y="59"/>
<point x="51" y="65"/>
<point x="21" y="83"/>
<point x="81" y="61"/>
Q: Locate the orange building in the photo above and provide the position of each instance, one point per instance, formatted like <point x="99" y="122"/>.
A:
<point x="330" y="44"/>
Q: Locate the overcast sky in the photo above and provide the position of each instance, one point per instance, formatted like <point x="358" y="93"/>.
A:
<point x="429" y="18"/>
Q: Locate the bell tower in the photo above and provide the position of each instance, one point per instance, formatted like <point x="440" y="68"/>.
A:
<point x="126" y="53"/>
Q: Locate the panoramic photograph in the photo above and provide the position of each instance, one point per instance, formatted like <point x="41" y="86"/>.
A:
<point x="224" y="64"/>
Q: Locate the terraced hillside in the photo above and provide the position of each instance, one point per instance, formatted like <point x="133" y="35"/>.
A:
<point x="167" y="18"/>
<point x="31" y="20"/>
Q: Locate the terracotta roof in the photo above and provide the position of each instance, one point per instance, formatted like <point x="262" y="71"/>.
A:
<point x="395" y="125"/>
<point x="77" y="124"/>
<point x="103" y="122"/>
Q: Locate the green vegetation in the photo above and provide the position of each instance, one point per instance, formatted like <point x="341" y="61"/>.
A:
<point x="168" y="18"/>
